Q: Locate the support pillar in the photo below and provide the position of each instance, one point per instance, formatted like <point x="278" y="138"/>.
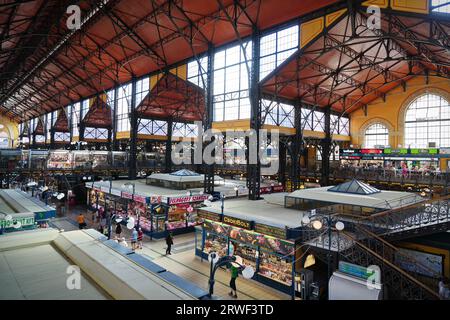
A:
<point x="282" y="160"/>
<point x="296" y="148"/>
<point x="168" y="165"/>
<point x="115" y="143"/>
<point x="254" y="169"/>
<point x="132" y="171"/>
<point x="208" y="183"/>
<point x="326" y="149"/>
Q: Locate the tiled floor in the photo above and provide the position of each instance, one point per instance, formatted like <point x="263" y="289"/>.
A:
<point x="184" y="263"/>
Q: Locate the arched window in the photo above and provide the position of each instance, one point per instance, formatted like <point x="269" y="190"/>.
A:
<point x="4" y="140"/>
<point x="427" y="120"/>
<point x="376" y="135"/>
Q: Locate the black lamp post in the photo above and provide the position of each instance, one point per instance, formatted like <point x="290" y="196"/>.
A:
<point x="318" y="224"/>
<point x="216" y="263"/>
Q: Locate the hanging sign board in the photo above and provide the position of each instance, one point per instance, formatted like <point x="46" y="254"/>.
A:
<point x="244" y="224"/>
<point x="270" y="231"/>
<point x="201" y="214"/>
<point x="187" y="199"/>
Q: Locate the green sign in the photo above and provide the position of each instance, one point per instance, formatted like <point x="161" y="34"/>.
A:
<point x="26" y="221"/>
<point x="433" y="151"/>
<point x="403" y="151"/>
<point x="415" y="151"/>
<point x="355" y="270"/>
<point x="387" y="151"/>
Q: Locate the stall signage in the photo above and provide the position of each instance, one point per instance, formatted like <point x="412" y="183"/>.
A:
<point x="104" y="189"/>
<point x="356" y="270"/>
<point x="187" y="199"/>
<point x="155" y="199"/>
<point x="278" y="188"/>
<point x="140" y="199"/>
<point x="371" y="151"/>
<point x="270" y="231"/>
<point x="444" y="150"/>
<point x="25" y="221"/>
<point x="244" y="224"/>
<point x="265" y="190"/>
<point x="201" y="214"/>
<point x="127" y="195"/>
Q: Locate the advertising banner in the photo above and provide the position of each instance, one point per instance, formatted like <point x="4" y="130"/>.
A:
<point x="187" y="199"/>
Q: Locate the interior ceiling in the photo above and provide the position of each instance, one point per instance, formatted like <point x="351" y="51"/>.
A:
<point x="331" y="71"/>
<point x="44" y="66"/>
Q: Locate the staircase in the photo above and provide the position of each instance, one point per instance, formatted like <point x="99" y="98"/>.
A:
<point x="420" y="219"/>
<point x="365" y="242"/>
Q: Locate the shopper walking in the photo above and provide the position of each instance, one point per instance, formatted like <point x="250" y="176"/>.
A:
<point x="234" y="275"/>
<point x="118" y="230"/>
<point x="81" y="221"/>
<point x="134" y="237"/>
<point x="140" y="237"/>
<point x="169" y="242"/>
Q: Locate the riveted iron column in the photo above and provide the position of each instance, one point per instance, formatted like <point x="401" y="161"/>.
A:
<point x="133" y="133"/>
<point x="115" y="143"/>
<point x="207" y="124"/>
<point x="326" y="149"/>
<point x="282" y="160"/>
<point x="168" y="164"/>
<point x="296" y="147"/>
<point x="254" y="169"/>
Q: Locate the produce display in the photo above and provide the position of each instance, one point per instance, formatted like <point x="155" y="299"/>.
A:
<point x="217" y="244"/>
<point x="275" y="268"/>
<point x="247" y="253"/>
<point x="59" y="160"/>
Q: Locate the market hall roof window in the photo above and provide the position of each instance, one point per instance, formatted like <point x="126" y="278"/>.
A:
<point x="354" y="186"/>
<point x="185" y="173"/>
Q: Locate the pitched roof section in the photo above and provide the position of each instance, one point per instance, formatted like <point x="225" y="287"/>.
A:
<point x="99" y="114"/>
<point x="355" y="187"/>
<point x="61" y="123"/>
<point x="39" y="130"/>
<point x="173" y="97"/>
<point x="184" y="173"/>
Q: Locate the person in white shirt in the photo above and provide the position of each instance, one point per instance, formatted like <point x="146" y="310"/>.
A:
<point x="444" y="291"/>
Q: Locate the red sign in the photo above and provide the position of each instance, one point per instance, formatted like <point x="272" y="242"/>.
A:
<point x="155" y="200"/>
<point x="127" y="195"/>
<point x="139" y="198"/>
<point x="371" y="151"/>
<point x="265" y="190"/>
<point x="278" y="188"/>
<point x="187" y="199"/>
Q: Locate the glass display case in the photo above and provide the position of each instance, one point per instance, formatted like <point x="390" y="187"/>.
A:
<point x="217" y="243"/>
<point x="25" y="159"/>
<point x="100" y="160"/>
<point x="177" y="217"/>
<point x="158" y="223"/>
<point x="119" y="159"/>
<point x="59" y="159"/>
<point x="38" y="159"/>
<point x="249" y="254"/>
<point x="275" y="267"/>
<point x="10" y="159"/>
<point x="81" y="160"/>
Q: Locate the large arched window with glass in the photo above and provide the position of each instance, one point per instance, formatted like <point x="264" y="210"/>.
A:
<point x="427" y="121"/>
<point x="376" y="135"/>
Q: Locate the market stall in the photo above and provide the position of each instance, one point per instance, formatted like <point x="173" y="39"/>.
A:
<point x="59" y="159"/>
<point x="264" y="247"/>
<point x="158" y="210"/>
